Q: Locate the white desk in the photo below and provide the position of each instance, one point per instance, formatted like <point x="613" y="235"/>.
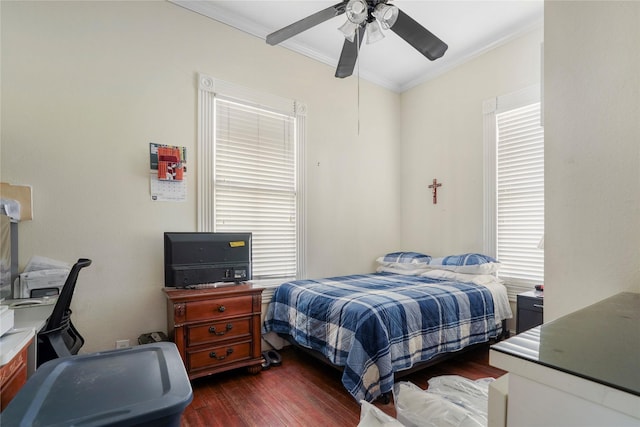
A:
<point x="28" y="319"/>
<point x="13" y="342"/>
<point x="18" y="346"/>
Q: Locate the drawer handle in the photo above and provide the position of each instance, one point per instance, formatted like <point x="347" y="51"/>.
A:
<point x="538" y="305"/>
<point x="212" y="329"/>
<point x="214" y="356"/>
<point x="222" y="308"/>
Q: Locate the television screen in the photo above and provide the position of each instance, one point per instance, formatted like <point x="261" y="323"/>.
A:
<point x="193" y="258"/>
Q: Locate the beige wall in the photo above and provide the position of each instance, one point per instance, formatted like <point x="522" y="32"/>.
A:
<point x="87" y="85"/>
<point x="592" y="152"/>
<point x="442" y="137"/>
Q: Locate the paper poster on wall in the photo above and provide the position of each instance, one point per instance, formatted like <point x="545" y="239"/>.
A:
<point x="168" y="172"/>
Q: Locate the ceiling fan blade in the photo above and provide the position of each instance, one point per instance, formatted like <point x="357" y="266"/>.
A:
<point x="306" y="23"/>
<point x="349" y="55"/>
<point x="419" y="37"/>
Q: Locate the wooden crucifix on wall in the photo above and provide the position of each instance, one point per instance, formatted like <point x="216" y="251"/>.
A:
<point x="434" y="190"/>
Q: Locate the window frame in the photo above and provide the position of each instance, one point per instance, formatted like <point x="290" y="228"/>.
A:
<point x="209" y="89"/>
<point x="491" y="108"/>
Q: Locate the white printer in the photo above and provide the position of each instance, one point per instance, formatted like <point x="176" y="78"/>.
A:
<point x="40" y="283"/>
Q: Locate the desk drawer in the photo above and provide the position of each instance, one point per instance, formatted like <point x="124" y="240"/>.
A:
<point x="218" y="331"/>
<point x="213" y="357"/>
<point x="218" y="308"/>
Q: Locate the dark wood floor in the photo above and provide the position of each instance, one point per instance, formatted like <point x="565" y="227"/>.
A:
<point x="302" y="392"/>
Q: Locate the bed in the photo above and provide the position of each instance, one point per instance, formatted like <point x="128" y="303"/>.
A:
<point x="373" y="326"/>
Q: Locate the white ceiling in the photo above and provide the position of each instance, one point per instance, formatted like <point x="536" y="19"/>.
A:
<point x="470" y="28"/>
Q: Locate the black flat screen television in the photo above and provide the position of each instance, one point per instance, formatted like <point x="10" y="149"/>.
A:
<point x="195" y="258"/>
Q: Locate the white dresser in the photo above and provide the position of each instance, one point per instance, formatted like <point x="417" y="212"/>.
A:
<point x="579" y="370"/>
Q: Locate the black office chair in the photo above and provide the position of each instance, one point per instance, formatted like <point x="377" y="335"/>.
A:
<point x="58" y="337"/>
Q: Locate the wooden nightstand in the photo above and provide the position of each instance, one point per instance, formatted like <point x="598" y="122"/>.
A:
<point x="530" y="309"/>
<point x="216" y="329"/>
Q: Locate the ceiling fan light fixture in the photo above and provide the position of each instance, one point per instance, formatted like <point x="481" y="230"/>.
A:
<point x="361" y="13"/>
<point x="356" y="11"/>
<point x="349" y="30"/>
<point x="374" y="32"/>
<point x="386" y="15"/>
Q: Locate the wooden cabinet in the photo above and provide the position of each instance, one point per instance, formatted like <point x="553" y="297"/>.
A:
<point x="530" y="308"/>
<point x="13" y="375"/>
<point x="216" y="329"/>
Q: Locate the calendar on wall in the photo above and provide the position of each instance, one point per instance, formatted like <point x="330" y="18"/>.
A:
<point x="168" y="172"/>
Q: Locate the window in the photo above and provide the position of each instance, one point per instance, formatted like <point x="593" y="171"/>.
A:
<point x="249" y="173"/>
<point x="514" y="187"/>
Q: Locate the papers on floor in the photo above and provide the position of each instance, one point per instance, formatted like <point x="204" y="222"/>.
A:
<point x="449" y="401"/>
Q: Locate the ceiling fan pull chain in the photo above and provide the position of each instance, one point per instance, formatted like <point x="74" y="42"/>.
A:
<point x="358" y="71"/>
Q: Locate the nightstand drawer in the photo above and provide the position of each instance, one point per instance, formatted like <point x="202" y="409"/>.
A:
<point x="218" y="308"/>
<point x="213" y="357"/>
<point x="218" y="331"/>
<point x="533" y="304"/>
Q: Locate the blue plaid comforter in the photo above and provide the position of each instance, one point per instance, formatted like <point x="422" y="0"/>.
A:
<point x="376" y="324"/>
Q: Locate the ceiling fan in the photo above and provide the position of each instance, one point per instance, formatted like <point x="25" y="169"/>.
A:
<point x="370" y="16"/>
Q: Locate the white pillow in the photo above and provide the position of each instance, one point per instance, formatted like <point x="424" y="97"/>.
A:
<point x="406" y="269"/>
<point x="471" y="263"/>
<point x="477" y="279"/>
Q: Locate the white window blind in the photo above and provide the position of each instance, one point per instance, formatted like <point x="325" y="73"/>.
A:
<point x="255" y="183"/>
<point x="514" y="187"/>
<point x="250" y="178"/>
<point x="520" y="195"/>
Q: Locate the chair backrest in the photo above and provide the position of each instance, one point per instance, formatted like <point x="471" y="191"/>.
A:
<point x="61" y="310"/>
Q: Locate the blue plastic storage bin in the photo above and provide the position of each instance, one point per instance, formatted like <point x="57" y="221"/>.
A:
<point x="145" y="385"/>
